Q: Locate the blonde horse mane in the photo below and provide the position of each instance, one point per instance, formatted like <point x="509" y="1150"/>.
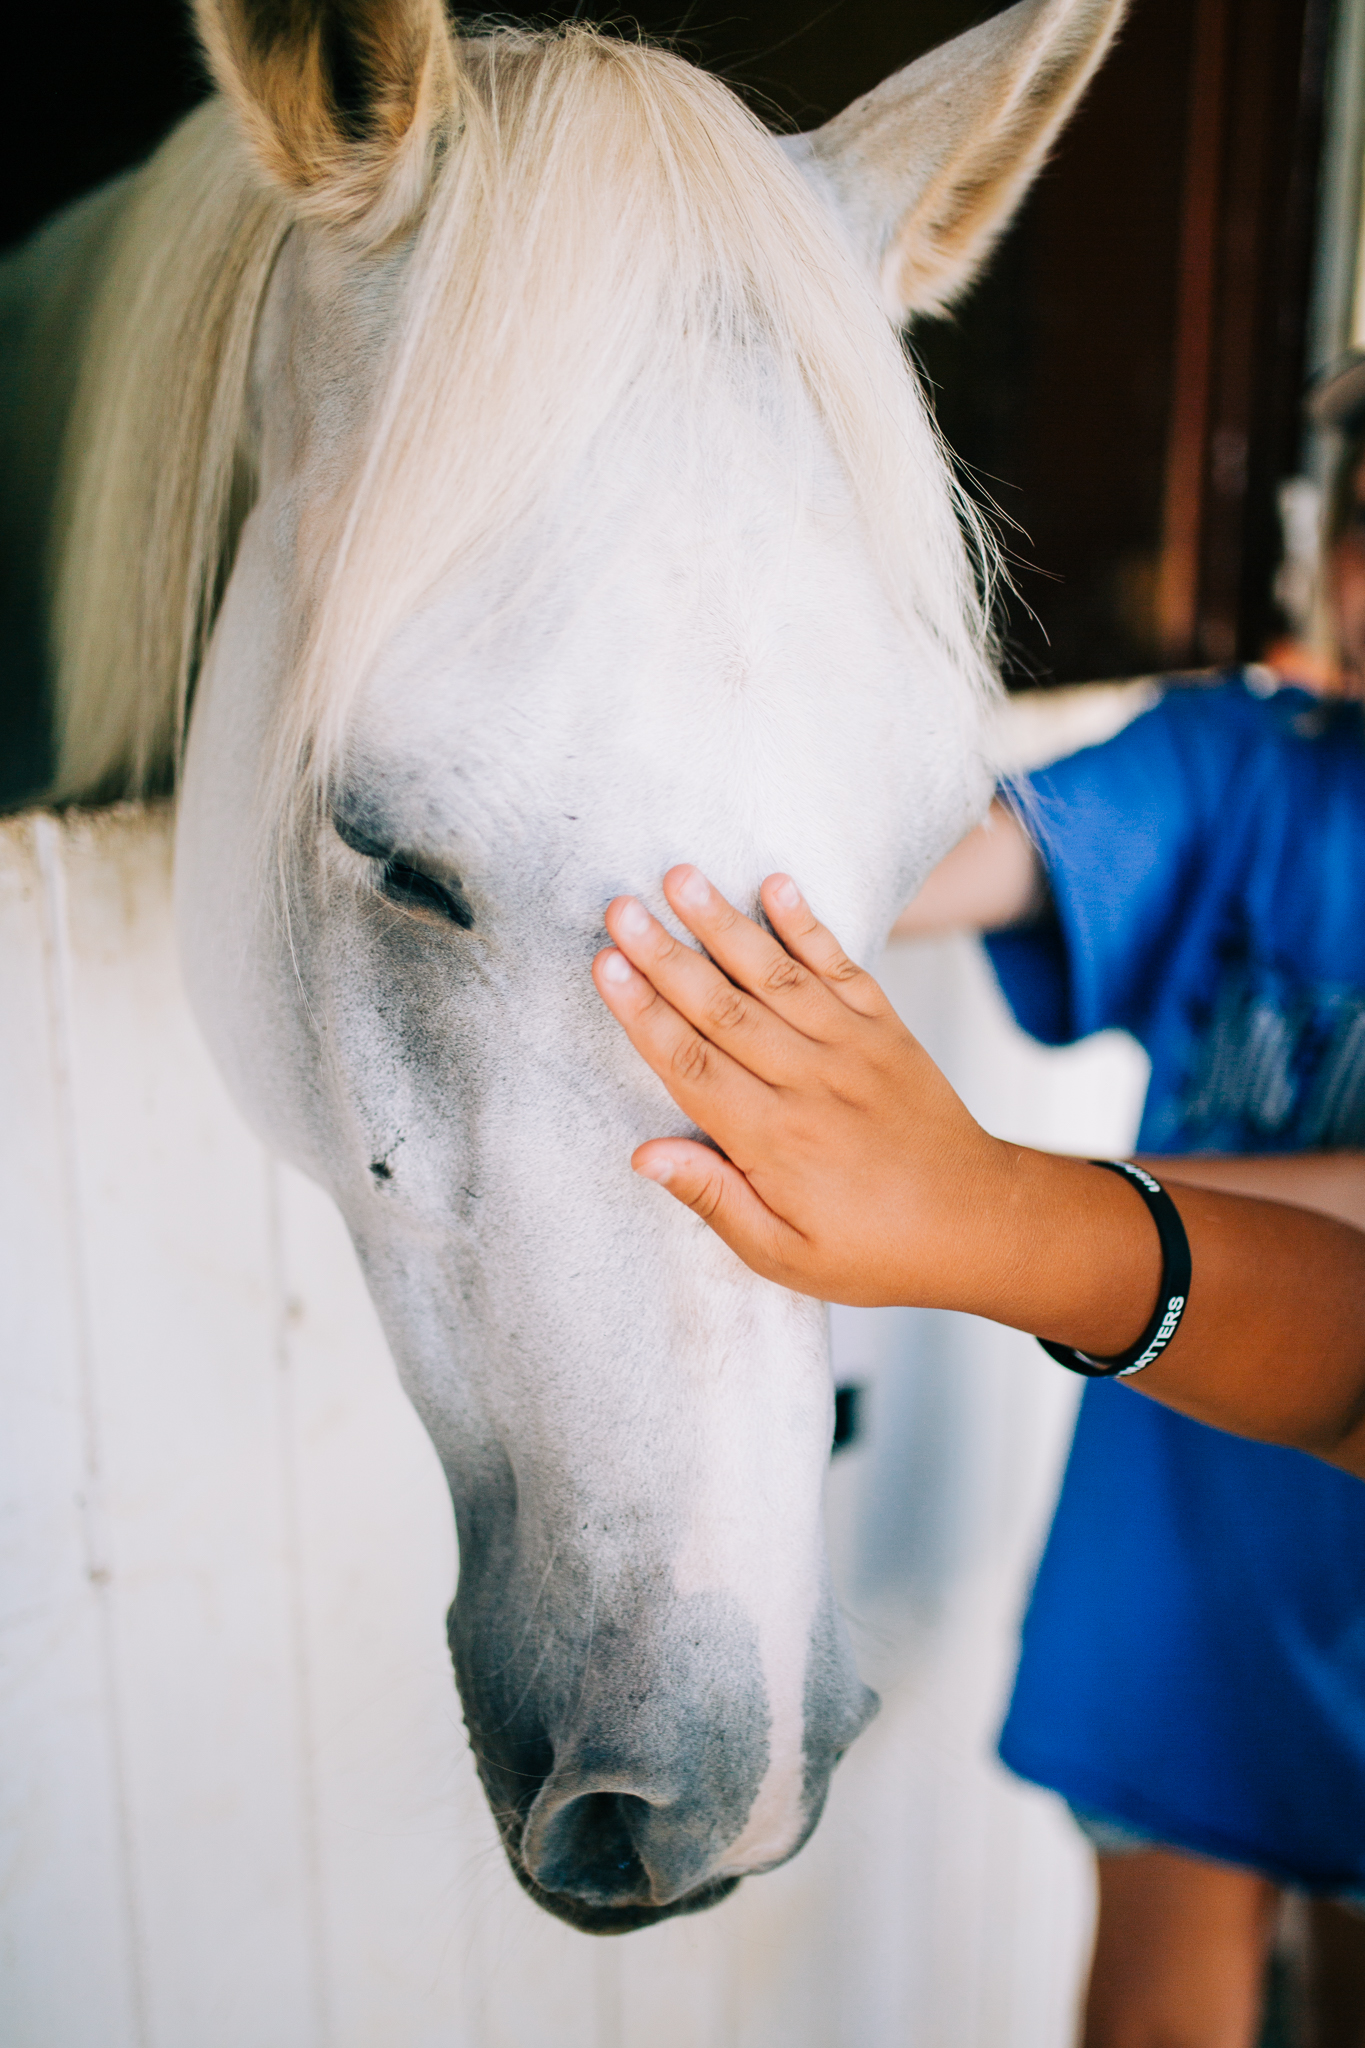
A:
<point x="608" y="223"/>
<point x="152" y="489"/>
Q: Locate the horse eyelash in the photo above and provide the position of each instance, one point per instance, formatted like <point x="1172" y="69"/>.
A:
<point x="417" y="891"/>
<point x="408" y="886"/>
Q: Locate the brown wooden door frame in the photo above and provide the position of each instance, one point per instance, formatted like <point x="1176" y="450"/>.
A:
<point x="1253" y="142"/>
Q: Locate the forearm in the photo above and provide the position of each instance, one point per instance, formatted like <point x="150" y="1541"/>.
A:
<point x="992" y="879"/>
<point x="1332" y="1183"/>
<point x="1272" y="1344"/>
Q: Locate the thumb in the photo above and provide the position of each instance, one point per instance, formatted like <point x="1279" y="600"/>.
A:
<point x="714" y="1189"/>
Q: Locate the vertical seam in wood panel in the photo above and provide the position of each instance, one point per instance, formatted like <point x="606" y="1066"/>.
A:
<point x="609" y="1996"/>
<point x="47" y="844"/>
<point x="303" y="1683"/>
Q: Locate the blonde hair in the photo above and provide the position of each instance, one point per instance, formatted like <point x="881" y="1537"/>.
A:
<point x="153" y="489"/>
<point x="608" y="223"/>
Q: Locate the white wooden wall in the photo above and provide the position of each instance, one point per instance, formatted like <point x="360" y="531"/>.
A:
<point x="235" y="1805"/>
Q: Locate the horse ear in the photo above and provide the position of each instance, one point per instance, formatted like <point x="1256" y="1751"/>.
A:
<point x="341" y="102"/>
<point x="927" y="169"/>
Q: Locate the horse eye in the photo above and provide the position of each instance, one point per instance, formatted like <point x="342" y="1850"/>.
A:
<point x="416" y="891"/>
<point x="409" y="886"/>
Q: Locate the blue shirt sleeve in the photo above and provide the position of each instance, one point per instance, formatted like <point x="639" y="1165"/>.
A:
<point x="1123" y="830"/>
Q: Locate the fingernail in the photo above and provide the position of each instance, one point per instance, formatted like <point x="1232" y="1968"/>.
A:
<point x="786" y="895"/>
<point x="616" y="967"/>
<point x="694" y="889"/>
<point x="660" y="1170"/>
<point x="633" y="919"/>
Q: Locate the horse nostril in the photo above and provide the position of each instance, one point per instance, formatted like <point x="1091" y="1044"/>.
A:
<point x="588" y="1850"/>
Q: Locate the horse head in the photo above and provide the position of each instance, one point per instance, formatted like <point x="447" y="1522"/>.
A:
<point x="513" y="440"/>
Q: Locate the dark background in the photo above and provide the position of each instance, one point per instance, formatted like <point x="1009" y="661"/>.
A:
<point x="1124" y="382"/>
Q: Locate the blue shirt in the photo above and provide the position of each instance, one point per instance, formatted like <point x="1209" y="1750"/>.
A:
<point x="1193" y="1660"/>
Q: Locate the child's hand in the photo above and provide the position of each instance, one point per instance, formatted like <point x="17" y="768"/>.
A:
<point x="848" y="1167"/>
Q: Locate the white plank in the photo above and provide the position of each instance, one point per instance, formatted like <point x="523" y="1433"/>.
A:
<point x="62" y="1866"/>
<point x="184" y="1317"/>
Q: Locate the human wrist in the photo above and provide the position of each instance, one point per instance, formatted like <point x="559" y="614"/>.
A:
<point x="1058" y="1248"/>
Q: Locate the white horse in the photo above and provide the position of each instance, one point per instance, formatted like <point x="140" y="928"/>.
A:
<point x="506" y="444"/>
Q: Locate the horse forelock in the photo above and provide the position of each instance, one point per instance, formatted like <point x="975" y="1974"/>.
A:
<point x="608" y="224"/>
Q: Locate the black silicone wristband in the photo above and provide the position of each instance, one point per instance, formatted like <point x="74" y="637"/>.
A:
<point x="1175" y="1285"/>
